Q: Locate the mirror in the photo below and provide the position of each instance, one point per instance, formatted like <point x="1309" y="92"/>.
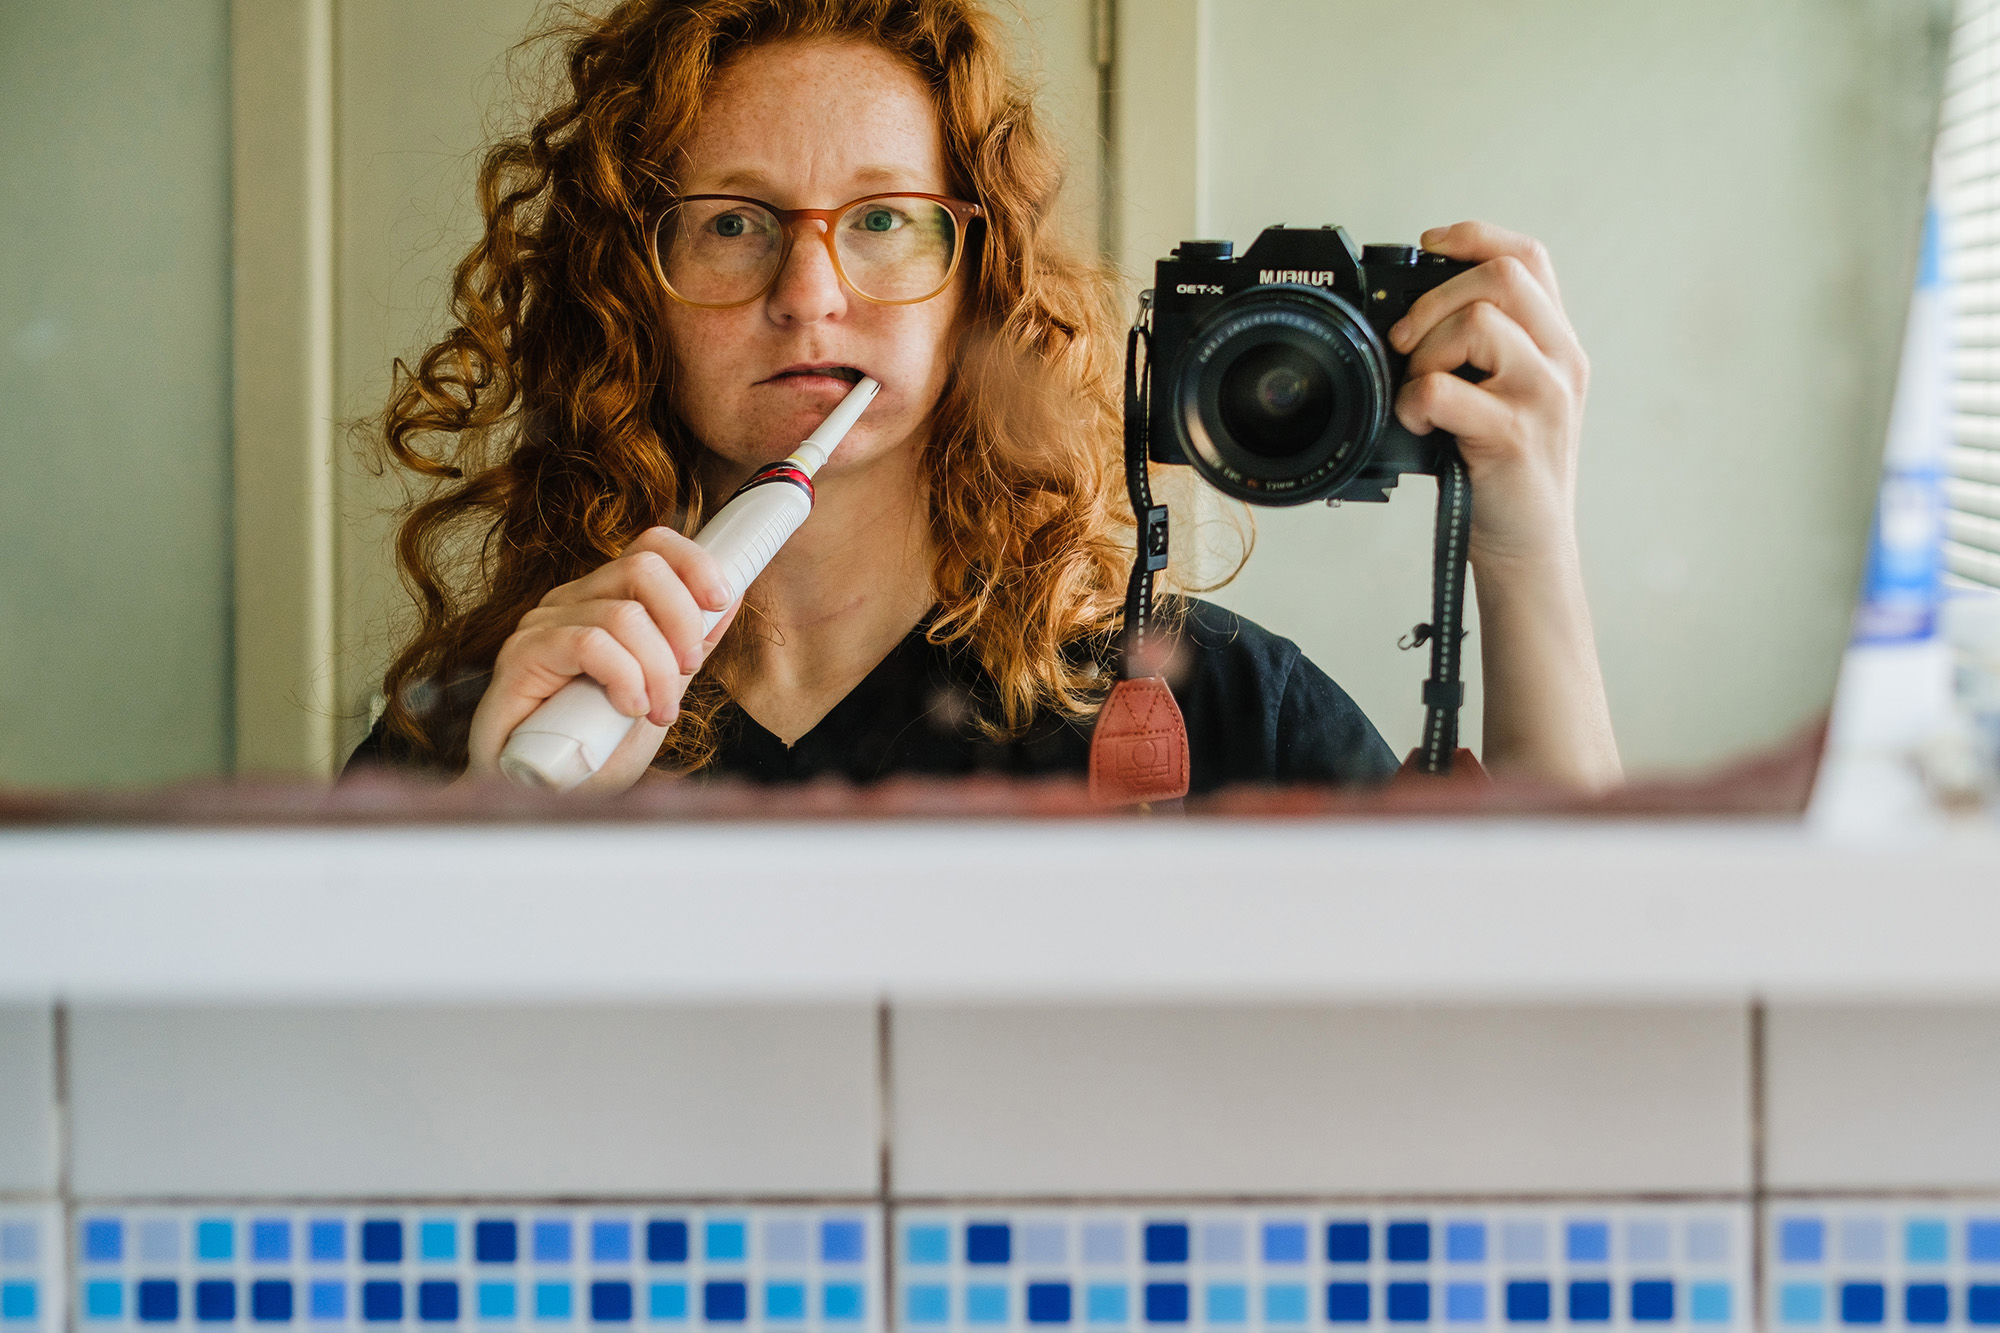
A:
<point x="201" y="584"/>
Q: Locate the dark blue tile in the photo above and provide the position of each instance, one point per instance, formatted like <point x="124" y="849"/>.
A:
<point x="1048" y="1302"/>
<point x="1589" y="1302"/>
<point x="437" y="1302"/>
<point x="1409" y="1242"/>
<point x="382" y="1242"/>
<point x="1927" y="1303"/>
<point x="158" y="1302"/>
<point x="382" y="1302"/>
<point x="666" y="1242"/>
<point x="611" y="1302"/>
<point x="1166" y="1243"/>
<point x="271" y="1302"/>
<point x="1347" y="1302"/>
<point x="496" y="1241"/>
<point x="1862" y="1303"/>
<point x="725" y="1302"/>
<point x="1166" y="1302"/>
<point x="215" y="1302"/>
<point x="1982" y="1303"/>
<point x="1347" y="1242"/>
<point x="988" y="1243"/>
<point x="1527" y="1302"/>
<point x="1652" y="1302"/>
<point x="1409" y="1302"/>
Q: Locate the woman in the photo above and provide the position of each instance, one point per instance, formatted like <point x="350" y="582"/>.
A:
<point x="952" y="603"/>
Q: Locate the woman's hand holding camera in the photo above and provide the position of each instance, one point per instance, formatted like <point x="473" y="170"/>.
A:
<point x="1518" y="430"/>
<point x="634" y="625"/>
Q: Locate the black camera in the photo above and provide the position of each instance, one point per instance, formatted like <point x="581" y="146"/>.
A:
<point x="1272" y="373"/>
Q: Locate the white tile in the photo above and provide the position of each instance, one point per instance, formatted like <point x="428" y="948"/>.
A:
<point x="1047" y="1100"/>
<point x="477" y="1101"/>
<point x="1882" y="1096"/>
<point x="27" y="1100"/>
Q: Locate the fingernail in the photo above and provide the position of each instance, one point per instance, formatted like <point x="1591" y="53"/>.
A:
<point x="1433" y="235"/>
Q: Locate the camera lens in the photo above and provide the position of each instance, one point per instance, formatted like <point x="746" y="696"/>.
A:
<point x="1275" y="400"/>
<point x="1280" y="394"/>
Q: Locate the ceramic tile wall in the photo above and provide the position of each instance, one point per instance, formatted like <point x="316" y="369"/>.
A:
<point x="1111" y="1169"/>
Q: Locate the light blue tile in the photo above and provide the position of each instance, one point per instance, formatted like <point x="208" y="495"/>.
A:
<point x="1465" y="1302"/>
<point x="1982" y="1240"/>
<point x="1648" y="1242"/>
<point x="159" y="1240"/>
<point x="842" y="1302"/>
<point x="1285" y="1303"/>
<point x="103" y="1300"/>
<point x="667" y="1300"/>
<point x="1104" y="1242"/>
<point x="437" y="1241"/>
<point x="1106" y="1303"/>
<point x="553" y="1242"/>
<point x="985" y="1303"/>
<point x="1587" y="1242"/>
<point x="1045" y="1243"/>
<point x="552" y="1300"/>
<point x="726" y="1241"/>
<point x="787" y="1241"/>
<point x="103" y="1240"/>
<point x="927" y="1245"/>
<point x="328" y="1300"/>
<point x="1801" y="1240"/>
<point x="1708" y="1241"/>
<point x="784" y="1301"/>
<point x="498" y="1300"/>
<point x="611" y="1241"/>
<point x="1223" y="1243"/>
<point x="1708" y="1302"/>
<point x="1926" y="1241"/>
<point x="327" y="1240"/>
<point x="927" y="1303"/>
<point x="20" y="1242"/>
<point x="1802" y="1303"/>
<point x="17" y="1301"/>
<point x="1227" y="1303"/>
<point x="1524" y="1242"/>
<point x="214" y="1240"/>
<point x="1864" y="1240"/>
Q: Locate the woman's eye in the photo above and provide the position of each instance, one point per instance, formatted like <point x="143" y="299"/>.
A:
<point x="878" y="219"/>
<point x="730" y="224"/>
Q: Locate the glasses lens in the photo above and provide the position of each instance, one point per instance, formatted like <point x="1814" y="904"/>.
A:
<point x="719" y="251"/>
<point x="897" y="248"/>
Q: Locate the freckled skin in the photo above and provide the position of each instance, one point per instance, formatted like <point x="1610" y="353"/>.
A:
<point x="811" y="125"/>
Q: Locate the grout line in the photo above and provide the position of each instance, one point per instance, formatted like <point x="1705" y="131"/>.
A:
<point x="1759" y="1187"/>
<point x="885" y="1085"/>
<point x="65" y="1191"/>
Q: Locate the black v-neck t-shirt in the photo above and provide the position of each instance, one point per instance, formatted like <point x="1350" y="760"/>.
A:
<point x="1257" y="711"/>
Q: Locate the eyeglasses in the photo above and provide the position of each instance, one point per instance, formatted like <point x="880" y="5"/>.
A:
<point x="893" y="249"/>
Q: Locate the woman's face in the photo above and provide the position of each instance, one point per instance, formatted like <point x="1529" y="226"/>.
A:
<point x="811" y="125"/>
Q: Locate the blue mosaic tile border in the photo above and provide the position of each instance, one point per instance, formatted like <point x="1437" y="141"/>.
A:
<point x="789" y="1270"/>
<point x="1288" y="1270"/>
<point x="31" y="1288"/>
<point x="1873" y="1265"/>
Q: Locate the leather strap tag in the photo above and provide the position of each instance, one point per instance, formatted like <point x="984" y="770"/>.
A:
<point x="1139" y="748"/>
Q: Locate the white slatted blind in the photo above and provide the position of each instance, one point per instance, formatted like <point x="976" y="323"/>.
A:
<point x="1969" y="177"/>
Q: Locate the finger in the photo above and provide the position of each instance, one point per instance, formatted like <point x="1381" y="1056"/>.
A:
<point x="1479" y="242"/>
<point x="534" y="663"/>
<point x="696" y="567"/>
<point x="714" y="636"/>
<point x="664" y="667"/>
<point x="1504" y="282"/>
<point x="657" y="586"/>
<point x="1443" y="401"/>
<point x="1482" y="336"/>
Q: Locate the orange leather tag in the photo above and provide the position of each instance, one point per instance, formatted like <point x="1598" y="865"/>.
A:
<point x="1139" y="749"/>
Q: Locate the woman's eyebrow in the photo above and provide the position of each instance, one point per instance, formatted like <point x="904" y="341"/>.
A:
<point x="751" y="180"/>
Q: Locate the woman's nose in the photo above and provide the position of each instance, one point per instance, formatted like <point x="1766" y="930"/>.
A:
<point x="808" y="287"/>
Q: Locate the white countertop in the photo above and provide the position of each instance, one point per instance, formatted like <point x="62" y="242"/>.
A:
<point x="1193" y="909"/>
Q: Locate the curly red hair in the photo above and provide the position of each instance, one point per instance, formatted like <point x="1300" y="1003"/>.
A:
<point x="553" y="394"/>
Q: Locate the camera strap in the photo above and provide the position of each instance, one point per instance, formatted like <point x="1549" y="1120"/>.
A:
<point x="1139" y="745"/>
<point x="1444" y="692"/>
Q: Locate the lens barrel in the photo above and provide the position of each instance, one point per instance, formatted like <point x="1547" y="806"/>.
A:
<point x="1280" y="394"/>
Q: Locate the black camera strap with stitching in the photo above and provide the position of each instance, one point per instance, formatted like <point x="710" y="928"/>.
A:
<point x="1443" y="693"/>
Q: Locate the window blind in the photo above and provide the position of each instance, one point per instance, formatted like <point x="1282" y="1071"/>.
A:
<point x="1969" y="187"/>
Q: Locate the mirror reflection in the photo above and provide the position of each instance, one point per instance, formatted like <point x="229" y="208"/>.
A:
<point x="490" y="461"/>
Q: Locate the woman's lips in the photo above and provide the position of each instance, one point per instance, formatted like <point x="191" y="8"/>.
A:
<point x="849" y="375"/>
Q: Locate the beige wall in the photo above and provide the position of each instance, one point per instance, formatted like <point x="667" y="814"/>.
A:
<point x="114" y="391"/>
<point x="1732" y="193"/>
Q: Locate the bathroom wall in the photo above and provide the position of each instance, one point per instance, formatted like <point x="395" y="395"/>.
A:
<point x="993" y="1166"/>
